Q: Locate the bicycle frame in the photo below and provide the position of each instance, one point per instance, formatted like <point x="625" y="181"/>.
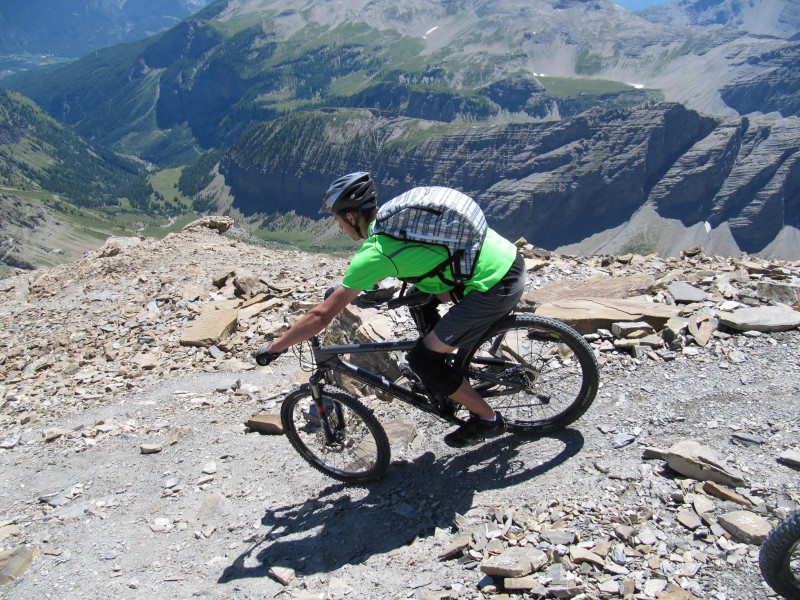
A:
<point x="543" y="374"/>
<point x="328" y="358"/>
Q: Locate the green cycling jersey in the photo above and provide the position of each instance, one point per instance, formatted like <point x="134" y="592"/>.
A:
<point x="382" y="256"/>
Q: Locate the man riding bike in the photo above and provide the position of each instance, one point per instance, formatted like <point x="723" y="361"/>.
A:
<point x="496" y="284"/>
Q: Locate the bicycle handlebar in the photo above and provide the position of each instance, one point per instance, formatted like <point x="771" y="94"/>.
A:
<point x="412" y="299"/>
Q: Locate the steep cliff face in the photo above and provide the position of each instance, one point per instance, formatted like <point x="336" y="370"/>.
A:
<point x="558" y="183"/>
<point x="776" y="89"/>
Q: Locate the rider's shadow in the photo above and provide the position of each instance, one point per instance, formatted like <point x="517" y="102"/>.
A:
<point x="412" y="500"/>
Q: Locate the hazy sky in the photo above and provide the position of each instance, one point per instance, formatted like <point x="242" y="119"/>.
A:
<point x="637" y="4"/>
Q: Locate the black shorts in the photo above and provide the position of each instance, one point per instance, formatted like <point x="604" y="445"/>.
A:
<point x="464" y="324"/>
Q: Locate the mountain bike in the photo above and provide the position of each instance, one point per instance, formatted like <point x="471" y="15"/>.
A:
<point x="779" y="557"/>
<point x="538" y="372"/>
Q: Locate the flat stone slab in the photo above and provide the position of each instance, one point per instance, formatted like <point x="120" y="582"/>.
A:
<point x="558" y="536"/>
<point x="684" y="292"/>
<point x="457" y="547"/>
<point x="14" y="562"/>
<point x="760" y="318"/>
<point x="517" y="561"/>
<point x="265" y="424"/>
<point x="590" y="314"/>
<point x="210" y="327"/>
<point x="692" y="459"/>
<point x="400" y="431"/>
<point x="745" y="526"/>
<point x="215" y="508"/>
<point x="790" y="457"/>
<point x="613" y="287"/>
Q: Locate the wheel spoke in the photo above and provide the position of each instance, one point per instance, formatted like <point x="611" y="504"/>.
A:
<point x="537" y="372"/>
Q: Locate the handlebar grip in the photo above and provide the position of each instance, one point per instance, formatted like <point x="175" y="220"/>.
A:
<point x="263" y="356"/>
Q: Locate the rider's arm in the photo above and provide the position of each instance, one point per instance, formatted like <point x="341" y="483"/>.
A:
<point x="316" y="319"/>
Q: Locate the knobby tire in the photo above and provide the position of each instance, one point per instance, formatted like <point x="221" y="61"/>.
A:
<point x="779" y="557"/>
<point x="359" y="454"/>
<point x="538" y="372"/>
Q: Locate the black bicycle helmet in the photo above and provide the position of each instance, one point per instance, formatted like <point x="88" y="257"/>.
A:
<point x="353" y="191"/>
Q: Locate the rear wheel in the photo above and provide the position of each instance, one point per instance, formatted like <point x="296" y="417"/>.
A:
<point x="358" y="450"/>
<point x="779" y="557"/>
<point x="538" y="372"/>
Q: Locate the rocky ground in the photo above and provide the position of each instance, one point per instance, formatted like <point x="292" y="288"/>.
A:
<point x="128" y="471"/>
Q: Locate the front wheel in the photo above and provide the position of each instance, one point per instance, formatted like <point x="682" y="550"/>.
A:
<point x="779" y="557"/>
<point x="538" y="372"/>
<point x="355" y="448"/>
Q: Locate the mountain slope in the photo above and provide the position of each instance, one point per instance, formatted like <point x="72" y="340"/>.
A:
<point x="73" y="28"/>
<point x="208" y="79"/>
<point x="779" y="18"/>
<point x="557" y="184"/>
<point x="36" y="152"/>
<point x="37" y="233"/>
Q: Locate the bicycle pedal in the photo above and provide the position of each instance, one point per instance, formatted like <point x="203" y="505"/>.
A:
<point x="450" y="407"/>
<point x="418" y="388"/>
<point x="406" y="371"/>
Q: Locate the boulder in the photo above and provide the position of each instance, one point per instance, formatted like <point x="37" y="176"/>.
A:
<point x="216" y="222"/>
<point x="692" y="459"/>
<point x="760" y="318"/>
<point x="117" y="245"/>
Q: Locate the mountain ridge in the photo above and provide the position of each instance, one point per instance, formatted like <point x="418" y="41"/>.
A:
<point x="450" y="70"/>
<point x="204" y="82"/>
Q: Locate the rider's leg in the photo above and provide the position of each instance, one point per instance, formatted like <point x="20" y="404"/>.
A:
<point x="463" y="326"/>
<point x="439" y="376"/>
<point x="464" y="394"/>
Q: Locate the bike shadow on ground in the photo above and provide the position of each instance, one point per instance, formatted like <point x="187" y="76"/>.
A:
<point x="347" y="525"/>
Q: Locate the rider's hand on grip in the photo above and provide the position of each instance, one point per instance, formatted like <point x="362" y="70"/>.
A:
<point x="264" y="356"/>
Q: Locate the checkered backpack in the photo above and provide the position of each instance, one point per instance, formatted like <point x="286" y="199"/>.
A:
<point x="441" y="216"/>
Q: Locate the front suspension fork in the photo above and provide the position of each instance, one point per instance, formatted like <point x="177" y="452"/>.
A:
<point x="315" y="382"/>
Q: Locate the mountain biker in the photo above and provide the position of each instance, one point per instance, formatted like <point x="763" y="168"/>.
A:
<point x="490" y="294"/>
